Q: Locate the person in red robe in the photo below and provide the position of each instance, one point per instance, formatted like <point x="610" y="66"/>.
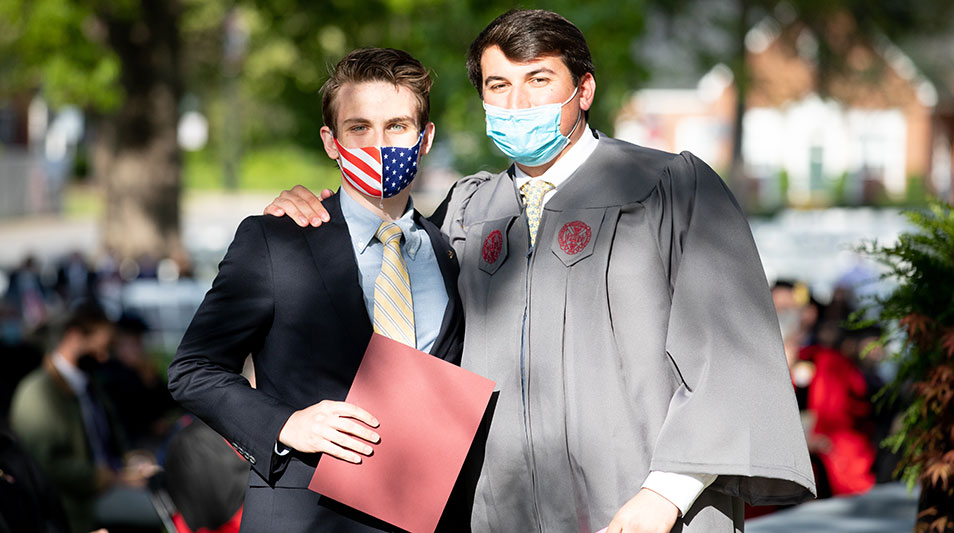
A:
<point x="832" y="394"/>
<point x="837" y="399"/>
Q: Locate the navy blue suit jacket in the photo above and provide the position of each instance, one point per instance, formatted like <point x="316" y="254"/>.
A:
<point x="290" y="297"/>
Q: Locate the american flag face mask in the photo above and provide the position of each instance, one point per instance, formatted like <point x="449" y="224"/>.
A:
<point x="379" y="171"/>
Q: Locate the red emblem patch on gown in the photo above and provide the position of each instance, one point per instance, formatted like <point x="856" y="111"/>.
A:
<point x="574" y="236"/>
<point x="492" y="246"/>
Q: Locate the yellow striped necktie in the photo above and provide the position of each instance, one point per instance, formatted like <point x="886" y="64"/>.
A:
<point x="393" y="308"/>
<point x="533" y="192"/>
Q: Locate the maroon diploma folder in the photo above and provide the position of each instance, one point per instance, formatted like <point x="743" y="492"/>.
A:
<point x="428" y="410"/>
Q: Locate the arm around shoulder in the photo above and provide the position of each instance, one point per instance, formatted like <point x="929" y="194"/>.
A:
<point x="449" y="215"/>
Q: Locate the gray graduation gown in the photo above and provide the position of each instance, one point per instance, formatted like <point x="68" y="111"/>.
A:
<point x="638" y="335"/>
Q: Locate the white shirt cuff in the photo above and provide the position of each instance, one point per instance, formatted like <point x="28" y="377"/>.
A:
<point x="680" y="489"/>
<point x="281" y="450"/>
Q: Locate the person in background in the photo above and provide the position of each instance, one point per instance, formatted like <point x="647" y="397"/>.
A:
<point x="65" y="423"/>
<point x="135" y="387"/>
<point x="74" y="279"/>
<point x="20" y="354"/>
<point x="862" y="347"/>
<point x="833" y="398"/>
<point x="205" y="477"/>
<point x="28" y="501"/>
<point x="27" y="293"/>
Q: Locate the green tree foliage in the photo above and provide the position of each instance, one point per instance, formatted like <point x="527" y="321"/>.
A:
<point x="919" y="316"/>
<point x="61" y="47"/>
<point x="120" y="60"/>
<point x="94" y="53"/>
<point x="108" y="56"/>
<point x="294" y="43"/>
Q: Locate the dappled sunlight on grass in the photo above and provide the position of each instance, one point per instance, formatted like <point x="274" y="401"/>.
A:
<point x="271" y="168"/>
<point x="82" y="201"/>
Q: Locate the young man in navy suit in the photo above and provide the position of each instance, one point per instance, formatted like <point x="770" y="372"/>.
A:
<point x="304" y="302"/>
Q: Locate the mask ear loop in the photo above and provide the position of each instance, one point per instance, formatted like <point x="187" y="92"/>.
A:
<point x="579" y="116"/>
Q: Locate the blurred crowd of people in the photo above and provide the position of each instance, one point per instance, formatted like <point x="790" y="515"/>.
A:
<point x="87" y="425"/>
<point x="35" y="291"/>
<point x="40" y="297"/>
<point x="837" y="371"/>
<point x="86" y="421"/>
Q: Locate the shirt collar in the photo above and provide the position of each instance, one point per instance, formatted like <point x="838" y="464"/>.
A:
<point x="74" y="377"/>
<point x="564" y="167"/>
<point x="363" y="224"/>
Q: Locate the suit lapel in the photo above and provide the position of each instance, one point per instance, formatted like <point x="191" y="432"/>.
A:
<point x="447" y="261"/>
<point x="333" y="254"/>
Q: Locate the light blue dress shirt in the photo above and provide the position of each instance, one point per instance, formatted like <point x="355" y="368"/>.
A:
<point x="428" y="293"/>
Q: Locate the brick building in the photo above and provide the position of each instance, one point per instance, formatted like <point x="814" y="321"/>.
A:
<point x="868" y="131"/>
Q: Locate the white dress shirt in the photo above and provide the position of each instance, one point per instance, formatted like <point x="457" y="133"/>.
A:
<point x="563" y="167"/>
<point x="428" y="293"/>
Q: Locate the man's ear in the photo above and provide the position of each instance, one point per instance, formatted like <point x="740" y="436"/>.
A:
<point x="587" y="91"/>
<point x="429" y="131"/>
<point x="328" y="140"/>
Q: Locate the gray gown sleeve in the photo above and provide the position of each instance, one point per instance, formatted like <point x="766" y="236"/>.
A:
<point x="454" y="208"/>
<point x="735" y="414"/>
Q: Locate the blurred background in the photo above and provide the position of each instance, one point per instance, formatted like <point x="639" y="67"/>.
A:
<point x="136" y="134"/>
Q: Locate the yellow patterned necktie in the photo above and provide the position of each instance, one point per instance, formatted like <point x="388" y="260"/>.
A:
<point x="533" y="193"/>
<point x="393" y="308"/>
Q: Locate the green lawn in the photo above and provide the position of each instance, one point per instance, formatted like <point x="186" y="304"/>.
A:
<point x="269" y="168"/>
<point x="82" y="201"/>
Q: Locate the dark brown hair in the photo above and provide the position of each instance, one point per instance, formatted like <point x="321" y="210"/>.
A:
<point x="85" y="318"/>
<point x="377" y="64"/>
<point x="527" y="34"/>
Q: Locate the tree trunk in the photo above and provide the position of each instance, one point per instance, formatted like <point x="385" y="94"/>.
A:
<point x="737" y="180"/>
<point x="136" y="153"/>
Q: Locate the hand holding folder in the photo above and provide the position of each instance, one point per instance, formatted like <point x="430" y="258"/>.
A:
<point x="331" y="428"/>
<point x="429" y="411"/>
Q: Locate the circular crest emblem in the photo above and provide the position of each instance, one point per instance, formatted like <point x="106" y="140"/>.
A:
<point x="574" y="236"/>
<point x="492" y="246"/>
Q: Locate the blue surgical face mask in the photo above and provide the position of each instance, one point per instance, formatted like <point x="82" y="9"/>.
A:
<point x="529" y="136"/>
